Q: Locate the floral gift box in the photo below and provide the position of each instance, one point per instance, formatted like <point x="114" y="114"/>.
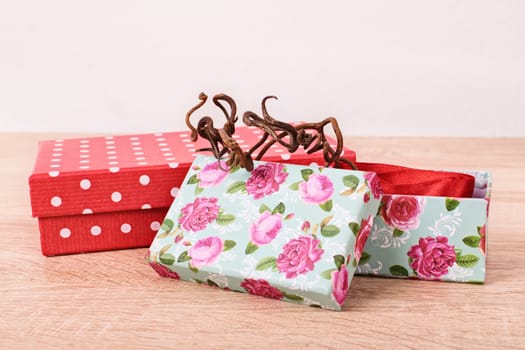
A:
<point x="286" y="232"/>
<point x="429" y="237"/>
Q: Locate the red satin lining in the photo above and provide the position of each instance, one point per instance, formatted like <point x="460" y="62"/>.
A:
<point x="397" y="179"/>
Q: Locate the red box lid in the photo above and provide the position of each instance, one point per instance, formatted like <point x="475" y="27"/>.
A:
<point x="127" y="172"/>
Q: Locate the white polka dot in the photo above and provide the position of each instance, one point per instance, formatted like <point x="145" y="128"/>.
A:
<point x="84" y="151"/>
<point x="59" y="140"/>
<point x="155" y="225"/>
<point x="183" y="135"/>
<point x="54" y="166"/>
<point x="110" y="142"/>
<point x="173" y="165"/>
<point x="87" y="211"/>
<point x="236" y="136"/>
<point x="134" y="138"/>
<point x="145" y="206"/>
<point x="56" y="160"/>
<point x="174" y="191"/>
<point x="189" y="145"/>
<point x="116" y="197"/>
<point x="245" y="146"/>
<point x="158" y="134"/>
<point x="84" y="161"/>
<point x="160" y="139"/>
<point x="54" y="173"/>
<point x="168" y="154"/>
<point x="111" y="152"/>
<point x="140" y="158"/>
<point x="142" y="163"/>
<point x="136" y="143"/>
<point x="110" y="147"/>
<point x="114" y="169"/>
<point x="95" y="230"/>
<point x="191" y="149"/>
<point x="163" y="144"/>
<point x="84" y="156"/>
<point x="65" y="232"/>
<point x="285" y="156"/>
<point x="84" y="141"/>
<point x="113" y="162"/>
<point x="56" y="201"/>
<point x="84" y="146"/>
<point x="57" y="149"/>
<point x="84" y="167"/>
<point x="171" y="158"/>
<point x="109" y="137"/>
<point x="239" y="141"/>
<point x="85" y="184"/>
<point x="144" y="180"/>
<point x="138" y="153"/>
<point x="125" y="228"/>
<point x="280" y="150"/>
<point x="56" y="155"/>
<point x="112" y="157"/>
<point x="137" y="148"/>
<point x="165" y="149"/>
<point x="186" y="140"/>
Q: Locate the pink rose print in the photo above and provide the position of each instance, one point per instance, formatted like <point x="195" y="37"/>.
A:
<point x="340" y="284"/>
<point x="265" y="228"/>
<point x="299" y="255"/>
<point x="402" y="212"/>
<point x="432" y="257"/>
<point x="164" y="271"/>
<point x="373" y="183"/>
<point x="212" y="174"/>
<point x="199" y="213"/>
<point x="318" y="189"/>
<point x="265" y="179"/>
<point x="483" y="239"/>
<point x="205" y="251"/>
<point x="362" y="236"/>
<point x="261" y="288"/>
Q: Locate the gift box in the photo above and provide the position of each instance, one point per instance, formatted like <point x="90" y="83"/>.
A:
<point x="431" y="237"/>
<point x="288" y="232"/>
<point x="102" y="193"/>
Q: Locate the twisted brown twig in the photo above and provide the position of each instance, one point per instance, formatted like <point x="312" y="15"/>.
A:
<point x="310" y="136"/>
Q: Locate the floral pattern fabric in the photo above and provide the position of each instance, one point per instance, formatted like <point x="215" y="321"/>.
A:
<point x="430" y="238"/>
<point x="285" y="232"/>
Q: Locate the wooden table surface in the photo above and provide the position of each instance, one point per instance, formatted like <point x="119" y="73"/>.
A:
<point x="113" y="299"/>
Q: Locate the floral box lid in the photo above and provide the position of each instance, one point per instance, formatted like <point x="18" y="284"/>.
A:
<point x="127" y="172"/>
<point x="288" y="232"/>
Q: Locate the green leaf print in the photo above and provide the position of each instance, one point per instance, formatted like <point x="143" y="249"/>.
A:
<point x="472" y="241"/>
<point x="327" y="274"/>
<point x="305" y="173"/>
<point x="167" y="259"/>
<point x="264" y="208"/>
<point x="327" y="206"/>
<point x="280" y="208"/>
<point x="397" y="233"/>
<point x="451" y="204"/>
<point x="184" y="257"/>
<point x="354" y="227"/>
<point x="351" y="181"/>
<point x="365" y="257"/>
<point x="467" y="261"/>
<point x="398" y="270"/>
<point x="238" y="186"/>
<point x="295" y="186"/>
<point x="250" y="248"/>
<point x="339" y="261"/>
<point x="330" y="231"/>
<point x="193" y="180"/>
<point x="293" y="297"/>
<point x="269" y="262"/>
<point x="167" y="225"/>
<point x="228" y="244"/>
<point x="224" y="219"/>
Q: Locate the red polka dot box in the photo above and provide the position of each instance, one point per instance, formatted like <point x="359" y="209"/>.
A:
<point x="105" y="193"/>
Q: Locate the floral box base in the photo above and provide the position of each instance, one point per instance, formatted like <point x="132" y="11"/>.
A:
<point x="430" y="238"/>
<point x="287" y="232"/>
<point x="103" y="193"/>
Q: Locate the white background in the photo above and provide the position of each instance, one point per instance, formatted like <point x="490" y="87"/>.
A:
<point x="380" y="67"/>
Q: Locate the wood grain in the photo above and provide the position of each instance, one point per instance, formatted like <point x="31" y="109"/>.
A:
<point x="113" y="299"/>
